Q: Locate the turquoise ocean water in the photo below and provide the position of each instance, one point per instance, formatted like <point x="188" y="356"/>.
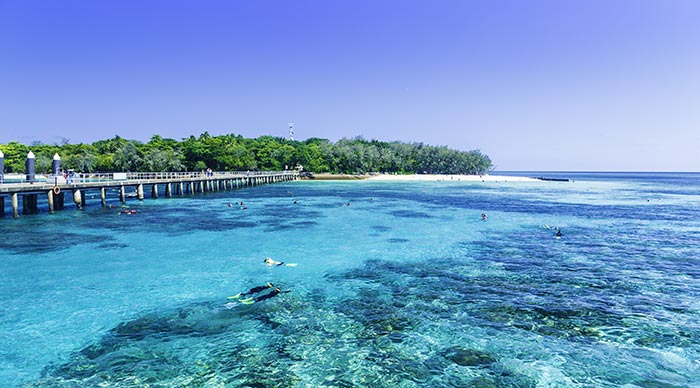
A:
<point x="406" y="287"/>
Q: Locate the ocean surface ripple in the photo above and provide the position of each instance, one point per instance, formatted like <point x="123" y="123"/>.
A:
<point x="391" y="284"/>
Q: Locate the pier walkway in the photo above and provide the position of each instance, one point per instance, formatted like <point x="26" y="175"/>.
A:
<point x="129" y="185"/>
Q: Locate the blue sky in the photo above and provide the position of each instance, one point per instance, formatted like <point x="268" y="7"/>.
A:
<point x="536" y="85"/>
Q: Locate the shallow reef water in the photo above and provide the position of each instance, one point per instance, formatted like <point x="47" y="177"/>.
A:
<point x="407" y="287"/>
<point x="371" y="338"/>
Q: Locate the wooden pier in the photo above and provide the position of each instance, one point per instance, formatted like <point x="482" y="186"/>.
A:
<point x="129" y="185"/>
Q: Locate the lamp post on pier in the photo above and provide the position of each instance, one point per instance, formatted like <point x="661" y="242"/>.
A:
<point x="2" y="167"/>
<point x="30" y="167"/>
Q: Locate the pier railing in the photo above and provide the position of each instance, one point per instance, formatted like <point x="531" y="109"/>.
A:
<point x="53" y="188"/>
<point x="134" y="176"/>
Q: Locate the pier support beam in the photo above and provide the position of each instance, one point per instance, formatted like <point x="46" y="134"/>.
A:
<point x="78" y="198"/>
<point x="58" y="200"/>
<point x="49" y="197"/>
<point x="29" y="204"/>
<point x="15" y="206"/>
<point x="179" y="184"/>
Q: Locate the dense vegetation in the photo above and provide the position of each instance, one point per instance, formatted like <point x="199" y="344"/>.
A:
<point x="232" y="152"/>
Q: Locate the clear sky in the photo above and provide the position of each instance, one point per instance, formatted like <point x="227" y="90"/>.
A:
<point x="536" y="85"/>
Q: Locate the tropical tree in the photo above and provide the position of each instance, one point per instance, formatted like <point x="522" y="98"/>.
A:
<point x="128" y="157"/>
<point x="234" y="152"/>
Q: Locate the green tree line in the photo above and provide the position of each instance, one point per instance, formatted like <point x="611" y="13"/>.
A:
<point x="234" y="152"/>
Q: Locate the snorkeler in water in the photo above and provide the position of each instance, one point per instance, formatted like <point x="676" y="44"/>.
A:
<point x="252" y="291"/>
<point x="260" y="298"/>
<point x="270" y="261"/>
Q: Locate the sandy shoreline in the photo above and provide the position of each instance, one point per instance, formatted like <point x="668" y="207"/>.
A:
<point x="452" y="177"/>
<point x="427" y="177"/>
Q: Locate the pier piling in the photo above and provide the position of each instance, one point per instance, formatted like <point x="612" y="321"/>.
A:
<point x="78" y="198"/>
<point x="15" y="206"/>
<point x="58" y="201"/>
<point x="49" y="197"/>
<point x="35" y="191"/>
<point x="29" y="202"/>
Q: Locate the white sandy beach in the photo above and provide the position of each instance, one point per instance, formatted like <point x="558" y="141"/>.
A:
<point x="437" y="178"/>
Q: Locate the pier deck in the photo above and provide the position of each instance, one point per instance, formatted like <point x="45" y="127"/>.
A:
<point x="185" y="182"/>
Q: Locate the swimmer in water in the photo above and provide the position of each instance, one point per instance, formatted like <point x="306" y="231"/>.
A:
<point x="252" y="291"/>
<point x="483" y="216"/>
<point x="260" y="298"/>
<point x="270" y="262"/>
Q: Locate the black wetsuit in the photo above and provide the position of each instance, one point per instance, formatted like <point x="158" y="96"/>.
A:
<point x="269" y="295"/>
<point x="257" y="289"/>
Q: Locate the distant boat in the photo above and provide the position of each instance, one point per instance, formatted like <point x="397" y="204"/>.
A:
<point x="552" y="179"/>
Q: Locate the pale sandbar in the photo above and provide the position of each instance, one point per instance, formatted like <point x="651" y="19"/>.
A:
<point x="450" y="177"/>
